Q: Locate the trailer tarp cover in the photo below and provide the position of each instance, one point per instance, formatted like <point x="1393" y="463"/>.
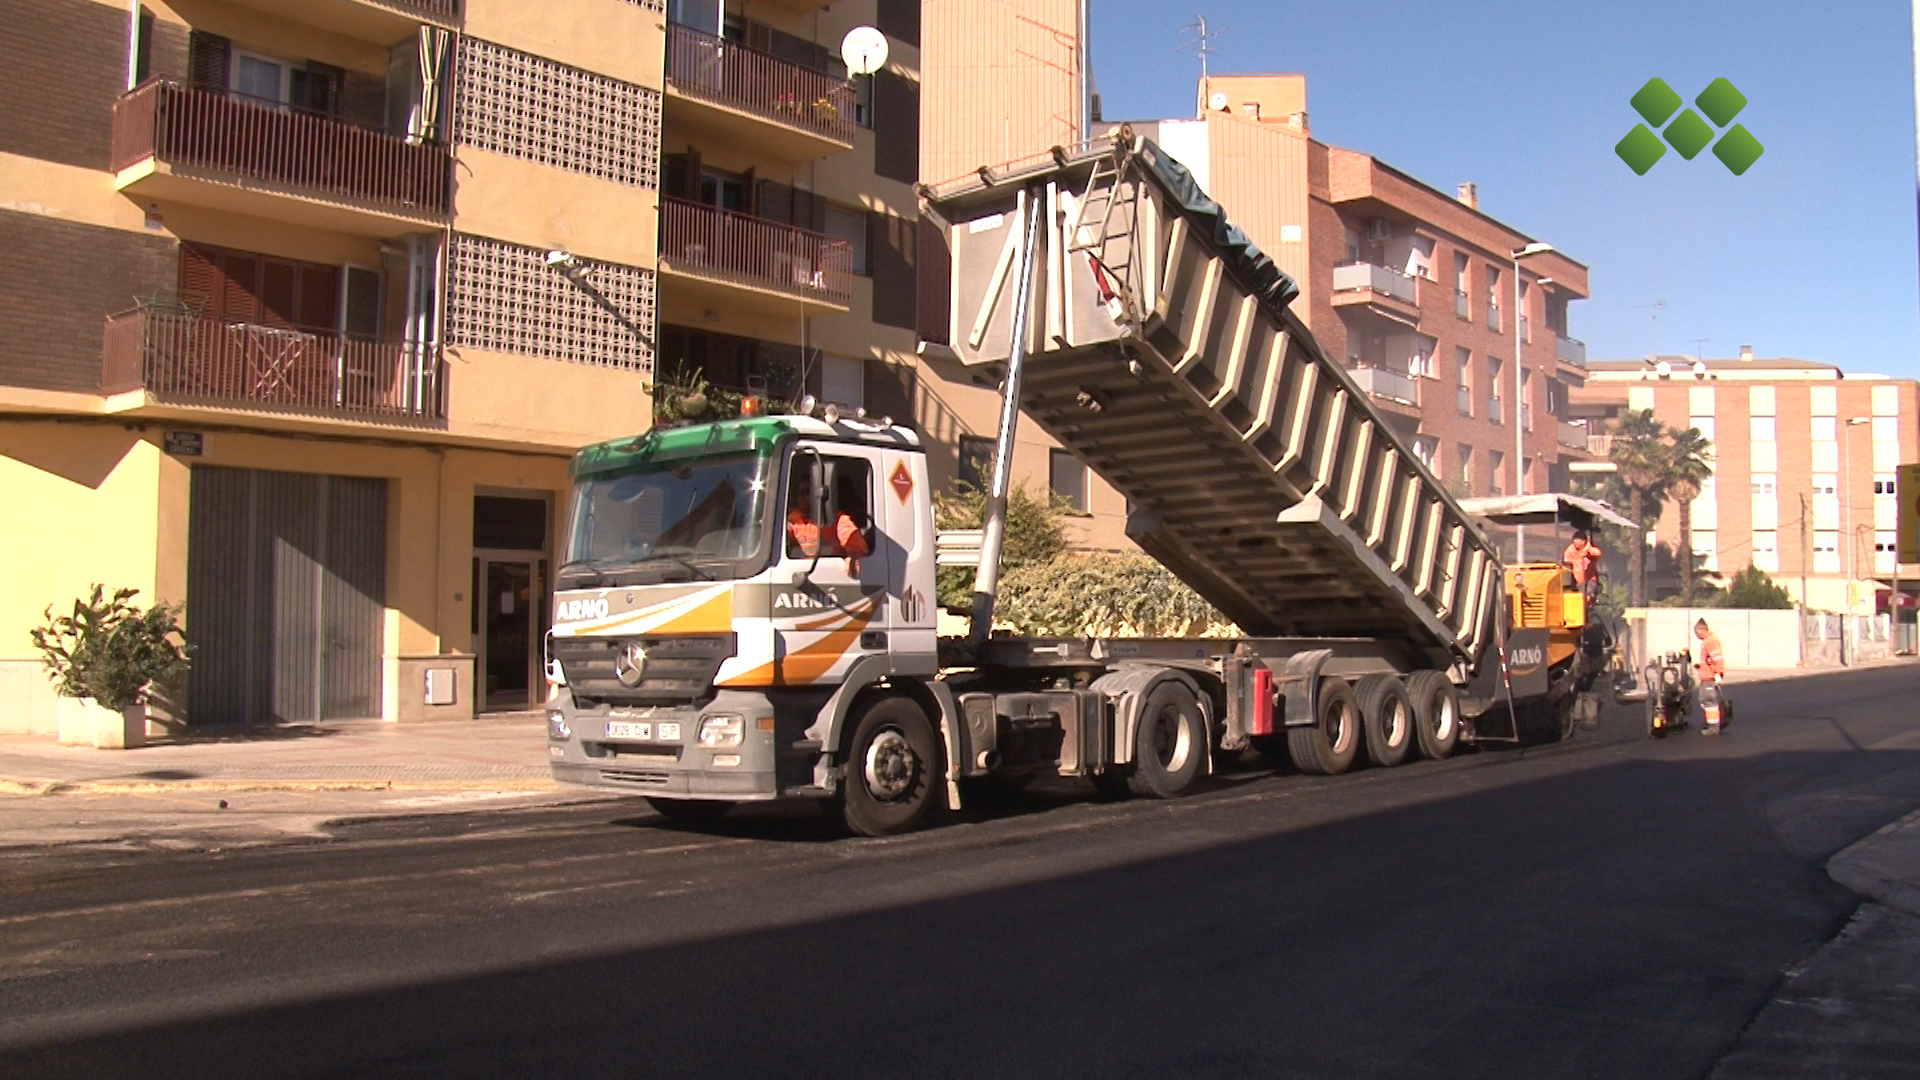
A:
<point x="1255" y="267"/>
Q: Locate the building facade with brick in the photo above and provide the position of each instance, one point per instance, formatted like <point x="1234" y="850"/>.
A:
<point x="307" y="307"/>
<point x="1804" y="458"/>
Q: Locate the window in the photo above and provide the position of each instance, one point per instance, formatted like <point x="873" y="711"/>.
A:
<point x="1520" y="312"/>
<point x="1526" y="401"/>
<point x="1496" y="473"/>
<point x="1427" y="449"/>
<point x="723" y="190"/>
<point x="846" y="223"/>
<point x="1763" y="484"/>
<point x="1885" y="484"/>
<point x="1067" y="480"/>
<point x="1463" y="397"/>
<point x="1766" y="553"/>
<point x="1463" y="458"/>
<point x="863" y="101"/>
<point x="1493" y="390"/>
<point x="846" y="487"/>
<point x="1825" y="484"/>
<point x="1461" y="305"/>
<point x="1762" y="428"/>
<point x="1823" y="428"/>
<point x="976" y="462"/>
<point x="1706" y="549"/>
<point x="1886" y="429"/>
<point x="1826" y="551"/>
<point x="1353" y="245"/>
<point x="1702" y="424"/>
<point x="260" y="77"/>
<point x="1493" y="298"/>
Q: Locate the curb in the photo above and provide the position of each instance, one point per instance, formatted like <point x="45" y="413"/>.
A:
<point x="150" y="787"/>
<point x="1885" y="866"/>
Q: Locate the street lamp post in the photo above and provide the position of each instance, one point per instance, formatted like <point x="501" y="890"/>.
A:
<point x="1846" y="529"/>
<point x="1519" y="400"/>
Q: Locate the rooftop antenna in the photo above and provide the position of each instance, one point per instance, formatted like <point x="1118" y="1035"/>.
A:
<point x="1699" y="353"/>
<point x="1196" y="39"/>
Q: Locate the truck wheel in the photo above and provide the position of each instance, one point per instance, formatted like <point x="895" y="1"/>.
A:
<point x="1387" y="715"/>
<point x="1436" y="713"/>
<point x="1330" y="745"/>
<point x="690" y="811"/>
<point x="1170" y="744"/>
<point x="892" y="771"/>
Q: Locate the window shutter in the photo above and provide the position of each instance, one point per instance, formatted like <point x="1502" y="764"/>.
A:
<point x="363" y="303"/>
<point x="816" y="216"/>
<point x="279" y="293"/>
<point x="323" y="88"/>
<point x="890" y="255"/>
<point x="934" y="282"/>
<point x="207" y="60"/>
<point x="199" y="280"/>
<point x="773" y="201"/>
<point x="896" y="126"/>
<point x="238" y="294"/>
<point x="673" y="175"/>
<point x="319" y="298"/>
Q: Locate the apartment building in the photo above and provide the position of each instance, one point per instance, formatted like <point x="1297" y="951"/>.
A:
<point x="309" y="304"/>
<point x="1804" y="466"/>
<point x="1412" y="288"/>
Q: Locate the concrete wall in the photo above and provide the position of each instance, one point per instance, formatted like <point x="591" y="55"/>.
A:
<point x="1752" y="639"/>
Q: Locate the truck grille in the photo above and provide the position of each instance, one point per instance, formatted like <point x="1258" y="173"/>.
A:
<point x="678" y="669"/>
<point x="633" y="776"/>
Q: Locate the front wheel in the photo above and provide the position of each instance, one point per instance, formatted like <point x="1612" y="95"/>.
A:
<point x="892" y="769"/>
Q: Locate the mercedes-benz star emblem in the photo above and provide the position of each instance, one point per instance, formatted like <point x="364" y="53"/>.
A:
<point x="630" y="666"/>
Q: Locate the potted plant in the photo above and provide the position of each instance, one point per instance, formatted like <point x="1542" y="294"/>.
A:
<point x="104" y="660"/>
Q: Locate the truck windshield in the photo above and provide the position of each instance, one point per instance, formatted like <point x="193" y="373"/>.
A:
<point x="705" y="517"/>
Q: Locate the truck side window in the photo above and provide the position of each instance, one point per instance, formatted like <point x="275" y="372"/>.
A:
<point x="814" y="525"/>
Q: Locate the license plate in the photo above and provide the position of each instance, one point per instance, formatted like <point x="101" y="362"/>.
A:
<point x="621" y="730"/>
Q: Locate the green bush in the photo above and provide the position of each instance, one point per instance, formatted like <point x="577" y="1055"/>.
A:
<point x="1104" y="594"/>
<point x="111" y="651"/>
<point x="1752" y="588"/>
<point x="1034" y="535"/>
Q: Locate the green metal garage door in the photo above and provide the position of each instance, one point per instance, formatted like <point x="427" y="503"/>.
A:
<point x="286" y="596"/>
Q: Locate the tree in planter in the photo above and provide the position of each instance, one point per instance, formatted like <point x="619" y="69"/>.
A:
<point x="111" y="651"/>
<point x="1689" y="466"/>
<point x="1034" y="535"/>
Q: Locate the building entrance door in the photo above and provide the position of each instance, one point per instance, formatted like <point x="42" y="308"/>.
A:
<point x="513" y="615"/>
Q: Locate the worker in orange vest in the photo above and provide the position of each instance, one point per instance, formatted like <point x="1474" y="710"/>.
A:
<point x="1580" y="557"/>
<point x="1709" y="671"/>
<point x="846" y="538"/>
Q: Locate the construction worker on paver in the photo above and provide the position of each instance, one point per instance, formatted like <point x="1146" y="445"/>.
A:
<point x="1709" y="672"/>
<point x="1582" y="557"/>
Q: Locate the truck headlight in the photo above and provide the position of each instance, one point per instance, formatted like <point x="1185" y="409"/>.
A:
<point x="557" y="728"/>
<point x="721" y="730"/>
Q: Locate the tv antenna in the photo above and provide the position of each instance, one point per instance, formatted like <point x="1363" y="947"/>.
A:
<point x="1196" y="39"/>
<point x="1699" y="353"/>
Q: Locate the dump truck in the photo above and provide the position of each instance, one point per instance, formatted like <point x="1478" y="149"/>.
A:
<point x="746" y="608"/>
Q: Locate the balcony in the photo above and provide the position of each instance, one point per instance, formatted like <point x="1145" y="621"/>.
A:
<point x="763" y="263"/>
<point x="1570" y="350"/>
<point x="1379" y="290"/>
<point x="182" y="357"/>
<point x="1387" y="386"/>
<point x="1600" y="445"/>
<point x="380" y="21"/>
<point x="753" y="98"/>
<point x="1573" y="436"/>
<point x="210" y="149"/>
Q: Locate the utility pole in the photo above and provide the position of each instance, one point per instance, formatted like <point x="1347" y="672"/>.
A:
<point x="1803" y="555"/>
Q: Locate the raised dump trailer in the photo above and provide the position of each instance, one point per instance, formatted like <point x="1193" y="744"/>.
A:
<point x="1161" y="352"/>
<point x="745" y="609"/>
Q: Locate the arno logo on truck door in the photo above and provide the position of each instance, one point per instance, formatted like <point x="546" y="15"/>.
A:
<point x="1525" y="658"/>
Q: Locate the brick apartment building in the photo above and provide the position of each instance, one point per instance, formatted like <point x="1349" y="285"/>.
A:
<point x="1804" y="465"/>
<point x="307" y="305"/>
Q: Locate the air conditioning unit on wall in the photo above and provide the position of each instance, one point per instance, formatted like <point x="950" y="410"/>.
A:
<point x="1379" y="230"/>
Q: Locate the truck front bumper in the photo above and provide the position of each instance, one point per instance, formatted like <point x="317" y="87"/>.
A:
<point x="656" y="750"/>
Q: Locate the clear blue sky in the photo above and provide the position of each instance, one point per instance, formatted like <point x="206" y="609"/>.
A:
<point x="1812" y="253"/>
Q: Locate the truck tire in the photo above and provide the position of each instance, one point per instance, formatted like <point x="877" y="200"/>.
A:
<point x="1170" y="742"/>
<point x="892" y="770"/>
<point x="1329" y="747"/>
<point x="1436" y="714"/>
<point x="1386" y="714"/>
<point x="690" y="811"/>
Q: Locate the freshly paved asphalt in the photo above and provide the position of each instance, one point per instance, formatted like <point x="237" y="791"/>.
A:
<point x="1609" y="907"/>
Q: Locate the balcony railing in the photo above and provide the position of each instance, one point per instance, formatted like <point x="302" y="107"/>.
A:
<point x="728" y="73"/>
<point x="1600" y="445"/>
<point x="755" y="252"/>
<point x="206" y="129"/>
<point x="175" y="355"/>
<point x="1493" y="317"/>
<point x="1391" y="385"/>
<point x="1357" y="276"/>
<point x="1463" y="400"/>
<point x="1460" y="307"/>
<point x="1571" y="350"/>
<point x="1493" y="410"/>
<point x="1573" y="436"/>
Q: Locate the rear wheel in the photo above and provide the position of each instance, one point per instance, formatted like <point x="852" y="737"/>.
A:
<point x="1436" y="713"/>
<point x="1329" y="747"/>
<point x="1387" y="714"/>
<point x="892" y="770"/>
<point x="1170" y="744"/>
<point x="691" y="811"/>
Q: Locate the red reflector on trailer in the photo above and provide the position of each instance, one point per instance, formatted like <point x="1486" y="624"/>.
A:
<point x="1262" y="702"/>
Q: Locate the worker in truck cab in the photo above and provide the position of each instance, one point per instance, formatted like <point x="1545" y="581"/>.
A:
<point x="803" y="533"/>
<point x="1710" y="671"/>
<point x="1582" y="557"/>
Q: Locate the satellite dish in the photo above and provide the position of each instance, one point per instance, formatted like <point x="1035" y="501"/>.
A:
<point x="864" y="49"/>
<point x="1218" y="101"/>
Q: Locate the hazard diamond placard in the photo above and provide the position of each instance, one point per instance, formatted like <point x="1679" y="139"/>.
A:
<point x="1908" y="490"/>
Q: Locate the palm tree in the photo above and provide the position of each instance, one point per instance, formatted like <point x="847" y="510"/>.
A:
<point x="1640" y="452"/>
<point x="1689" y="465"/>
